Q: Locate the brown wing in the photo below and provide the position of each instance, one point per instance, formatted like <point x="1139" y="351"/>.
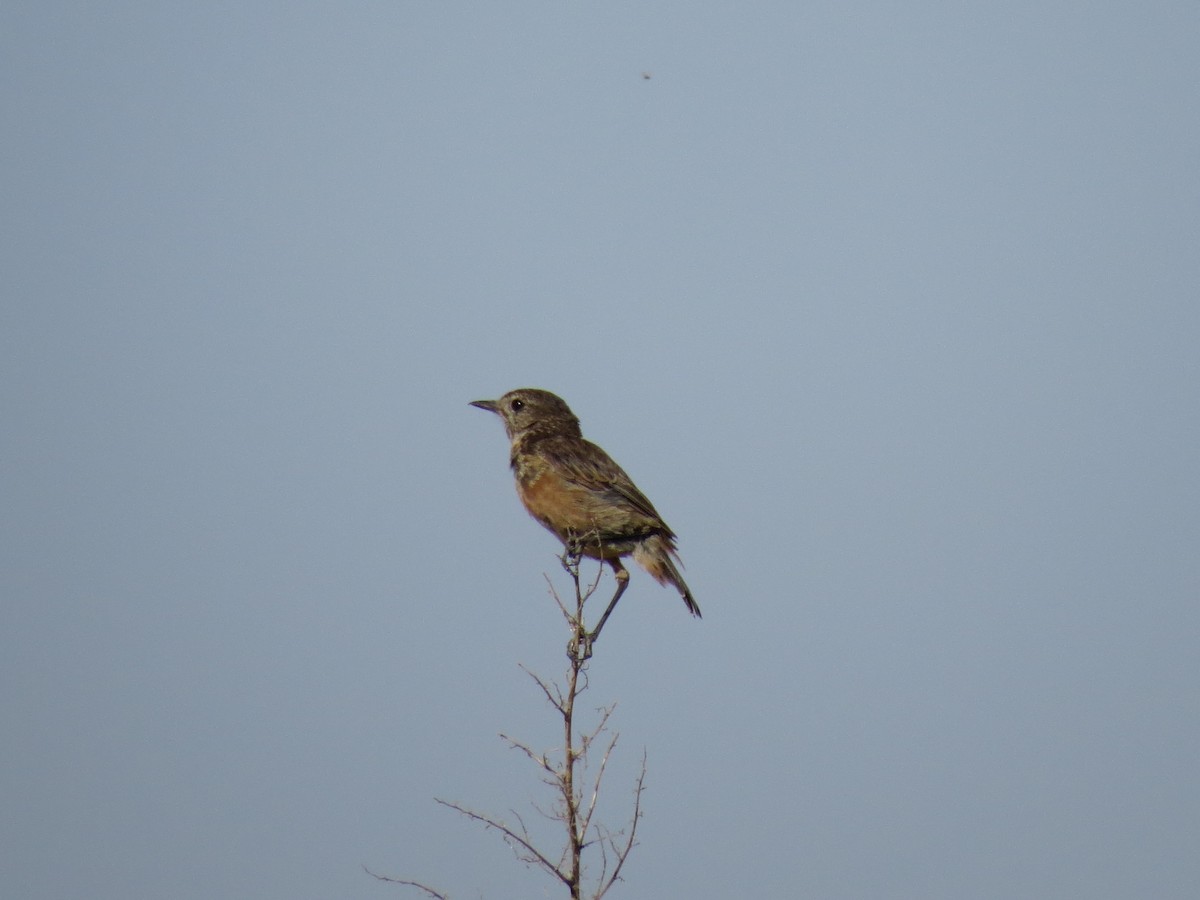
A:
<point x="588" y="466"/>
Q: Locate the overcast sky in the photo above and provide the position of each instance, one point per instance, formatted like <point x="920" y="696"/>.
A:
<point x="892" y="309"/>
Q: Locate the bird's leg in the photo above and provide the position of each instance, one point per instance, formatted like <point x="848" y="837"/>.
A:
<point x="622" y="576"/>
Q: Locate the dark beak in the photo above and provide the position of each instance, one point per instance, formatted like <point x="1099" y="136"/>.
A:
<point x="489" y="405"/>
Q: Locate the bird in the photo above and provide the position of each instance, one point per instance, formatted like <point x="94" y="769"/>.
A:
<point x="580" y="494"/>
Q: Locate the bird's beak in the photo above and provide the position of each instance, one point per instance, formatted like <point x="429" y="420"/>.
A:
<point x="489" y="405"/>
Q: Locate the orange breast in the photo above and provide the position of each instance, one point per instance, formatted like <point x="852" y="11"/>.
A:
<point x="562" y="507"/>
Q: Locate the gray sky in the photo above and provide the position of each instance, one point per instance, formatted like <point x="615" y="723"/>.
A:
<point x="891" y="309"/>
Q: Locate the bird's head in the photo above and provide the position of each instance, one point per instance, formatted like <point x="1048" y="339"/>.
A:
<point x="530" y="410"/>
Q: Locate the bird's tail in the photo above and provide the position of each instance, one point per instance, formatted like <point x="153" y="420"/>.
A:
<point x="657" y="555"/>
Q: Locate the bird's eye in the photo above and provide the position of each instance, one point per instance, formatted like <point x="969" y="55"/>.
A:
<point x="517" y="405"/>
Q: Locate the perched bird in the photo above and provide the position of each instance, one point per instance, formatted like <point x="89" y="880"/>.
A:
<point x="577" y="492"/>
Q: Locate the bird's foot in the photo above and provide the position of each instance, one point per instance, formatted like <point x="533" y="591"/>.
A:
<point x="572" y="554"/>
<point x="579" y="647"/>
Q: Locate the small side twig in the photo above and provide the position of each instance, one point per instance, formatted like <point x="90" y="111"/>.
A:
<point x="524" y="848"/>
<point x="438" y="895"/>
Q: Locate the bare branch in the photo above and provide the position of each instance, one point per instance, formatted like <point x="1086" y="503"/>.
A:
<point x="587" y="818"/>
<point x="570" y="770"/>
<point x="623" y="852"/>
<point x="555" y="696"/>
<point x="587" y="739"/>
<point x="540" y="759"/>
<point x="533" y="854"/>
<point x="537" y="808"/>
<point x="557" y="599"/>
<point x="438" y="895"/>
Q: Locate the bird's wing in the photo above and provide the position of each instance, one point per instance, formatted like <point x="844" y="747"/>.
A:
<point x="589" y="466"/>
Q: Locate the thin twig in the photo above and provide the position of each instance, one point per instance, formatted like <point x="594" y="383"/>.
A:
<point x="623" y="853"/>
<point x="534" y="855"/>
<point x="591" y="810"/>
<point x="423" y="887"/>
<point x="554" y="696"/>
<point x="540" y="759"/>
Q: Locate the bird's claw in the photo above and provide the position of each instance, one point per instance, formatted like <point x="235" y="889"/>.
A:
<point x="572" y="554"/>
<point x="579" y="648"/>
